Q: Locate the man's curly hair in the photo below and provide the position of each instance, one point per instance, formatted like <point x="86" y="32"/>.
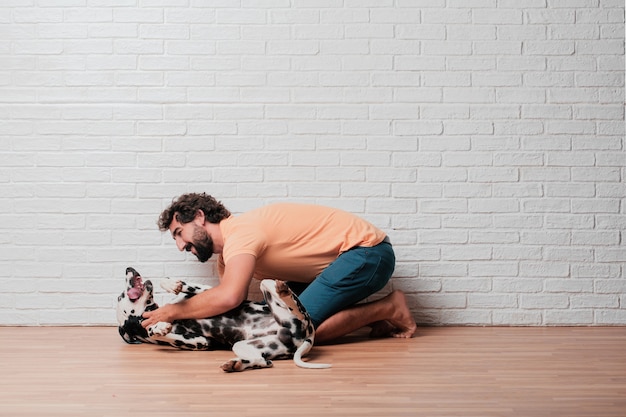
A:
<point x="185" y="207"/>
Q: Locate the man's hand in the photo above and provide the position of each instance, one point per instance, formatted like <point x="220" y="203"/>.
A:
<point x="166" y="313"/>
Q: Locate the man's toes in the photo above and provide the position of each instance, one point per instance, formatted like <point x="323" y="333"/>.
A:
<point x="405" y="333"/>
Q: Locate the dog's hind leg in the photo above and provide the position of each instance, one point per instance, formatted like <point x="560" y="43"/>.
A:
<point x="298" y="329"/>
<point x="283" y="302"/>
<point x="250" y="354"/>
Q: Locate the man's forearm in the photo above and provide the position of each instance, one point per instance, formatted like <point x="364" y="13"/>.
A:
<point x="206" y="304"/>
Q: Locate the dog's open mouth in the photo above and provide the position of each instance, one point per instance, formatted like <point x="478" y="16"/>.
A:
<point x="136" y="289"/>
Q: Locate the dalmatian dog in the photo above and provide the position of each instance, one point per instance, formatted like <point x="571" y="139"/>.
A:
<point x="256" y="332"/>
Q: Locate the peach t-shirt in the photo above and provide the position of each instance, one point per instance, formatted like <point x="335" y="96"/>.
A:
<point x="294" y="242"/>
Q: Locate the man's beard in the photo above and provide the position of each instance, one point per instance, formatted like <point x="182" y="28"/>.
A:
<point x="203" y="244"/>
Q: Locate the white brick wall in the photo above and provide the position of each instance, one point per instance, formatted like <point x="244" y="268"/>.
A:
<point x="485" y="136"/>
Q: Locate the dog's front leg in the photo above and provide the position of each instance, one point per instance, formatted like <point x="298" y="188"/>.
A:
<point x="166" y="333"/>
<point x="177" y="286"/>
<point x="159" y="329"/>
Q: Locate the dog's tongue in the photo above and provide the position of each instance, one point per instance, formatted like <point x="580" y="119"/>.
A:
<point x="137" y="289"/>
<point x="134" y="293"/>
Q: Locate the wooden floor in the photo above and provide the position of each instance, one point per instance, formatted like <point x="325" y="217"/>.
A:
<point x="444" y="371"/>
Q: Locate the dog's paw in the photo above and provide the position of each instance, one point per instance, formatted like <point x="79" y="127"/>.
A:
<point x="233" y="365"/>
<point x="171" y="285"/>
<point x="160" y="329"/>
<point x="238" y="365"/>
<point x="282" y="289"/>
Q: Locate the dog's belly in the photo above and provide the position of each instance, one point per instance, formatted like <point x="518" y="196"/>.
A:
<point x="249" y="320"/>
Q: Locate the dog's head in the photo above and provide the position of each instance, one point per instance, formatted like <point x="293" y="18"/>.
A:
<point x="136" y="299"/>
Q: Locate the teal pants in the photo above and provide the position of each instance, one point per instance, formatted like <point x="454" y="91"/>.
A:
<point x="353" y="276"/>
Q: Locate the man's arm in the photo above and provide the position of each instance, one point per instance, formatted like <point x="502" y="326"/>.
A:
<point x="231" y="291"/>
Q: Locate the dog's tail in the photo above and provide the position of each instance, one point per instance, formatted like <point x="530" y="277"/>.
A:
<point x="303" y="350"/>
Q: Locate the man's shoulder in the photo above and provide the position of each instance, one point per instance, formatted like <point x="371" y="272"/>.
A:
<point x="273" y="209"/>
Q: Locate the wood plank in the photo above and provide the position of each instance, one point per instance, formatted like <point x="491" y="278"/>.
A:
<point x="444" y="371"/>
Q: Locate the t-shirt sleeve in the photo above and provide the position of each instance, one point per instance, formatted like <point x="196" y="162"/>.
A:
<point x="244" y="240"/>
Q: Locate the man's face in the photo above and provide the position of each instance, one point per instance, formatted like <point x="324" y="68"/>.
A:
<point x="192" y="237"/>
<point x="202" y="243"/>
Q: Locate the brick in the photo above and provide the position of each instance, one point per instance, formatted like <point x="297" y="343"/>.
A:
<point x="611" y="190"/>
<point x="576" y="221"/>
<point x="474" y="253"/>
<point x="610" y="286"/>
<point x="472" y="221"/>
<point x="418" y="128"/>
<point x="517" y="285"/>
<point x="544" y="301"/>
<point x="609" y="316"/>
<point x="569" y="317"/>
<point x="493" y="174"/>
<point x="594" y="301"/>
<point x="442" y="174"/>
<point x="466" y="317"/>
<point x="446" y="16"/>
<point x="611" y="255"/>
<point x="517" y="318"/>
<point x="443" y="206"/>
<point x="492" y="301"/>
<point x="457" y="159"/>
<point x="467" y="284"/>
<point x="595" y="206"/>
<point x="409" y="31"/>
<point x="469" y="95"/>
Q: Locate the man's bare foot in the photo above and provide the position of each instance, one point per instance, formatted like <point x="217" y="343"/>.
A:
<point x="402" y="319"/>
<point x="388" y="316"/>
<point x="400" y="324"/>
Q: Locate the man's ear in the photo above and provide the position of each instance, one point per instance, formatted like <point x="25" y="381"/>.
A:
<point x="199" y="219"/>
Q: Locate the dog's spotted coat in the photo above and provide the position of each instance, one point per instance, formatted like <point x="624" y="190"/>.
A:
<point x="256" y="332"/>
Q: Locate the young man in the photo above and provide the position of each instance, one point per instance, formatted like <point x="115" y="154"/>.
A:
<point x="339" y="258"/>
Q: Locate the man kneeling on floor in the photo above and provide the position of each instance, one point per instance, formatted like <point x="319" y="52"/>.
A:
<point x="336" y="258"/>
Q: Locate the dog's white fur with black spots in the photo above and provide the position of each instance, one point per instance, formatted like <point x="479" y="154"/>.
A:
<point x="256" y="332"/>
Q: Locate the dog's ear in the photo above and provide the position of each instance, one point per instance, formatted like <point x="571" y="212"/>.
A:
<point x="131" y="329"/>
<point x="127" y="338"/>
